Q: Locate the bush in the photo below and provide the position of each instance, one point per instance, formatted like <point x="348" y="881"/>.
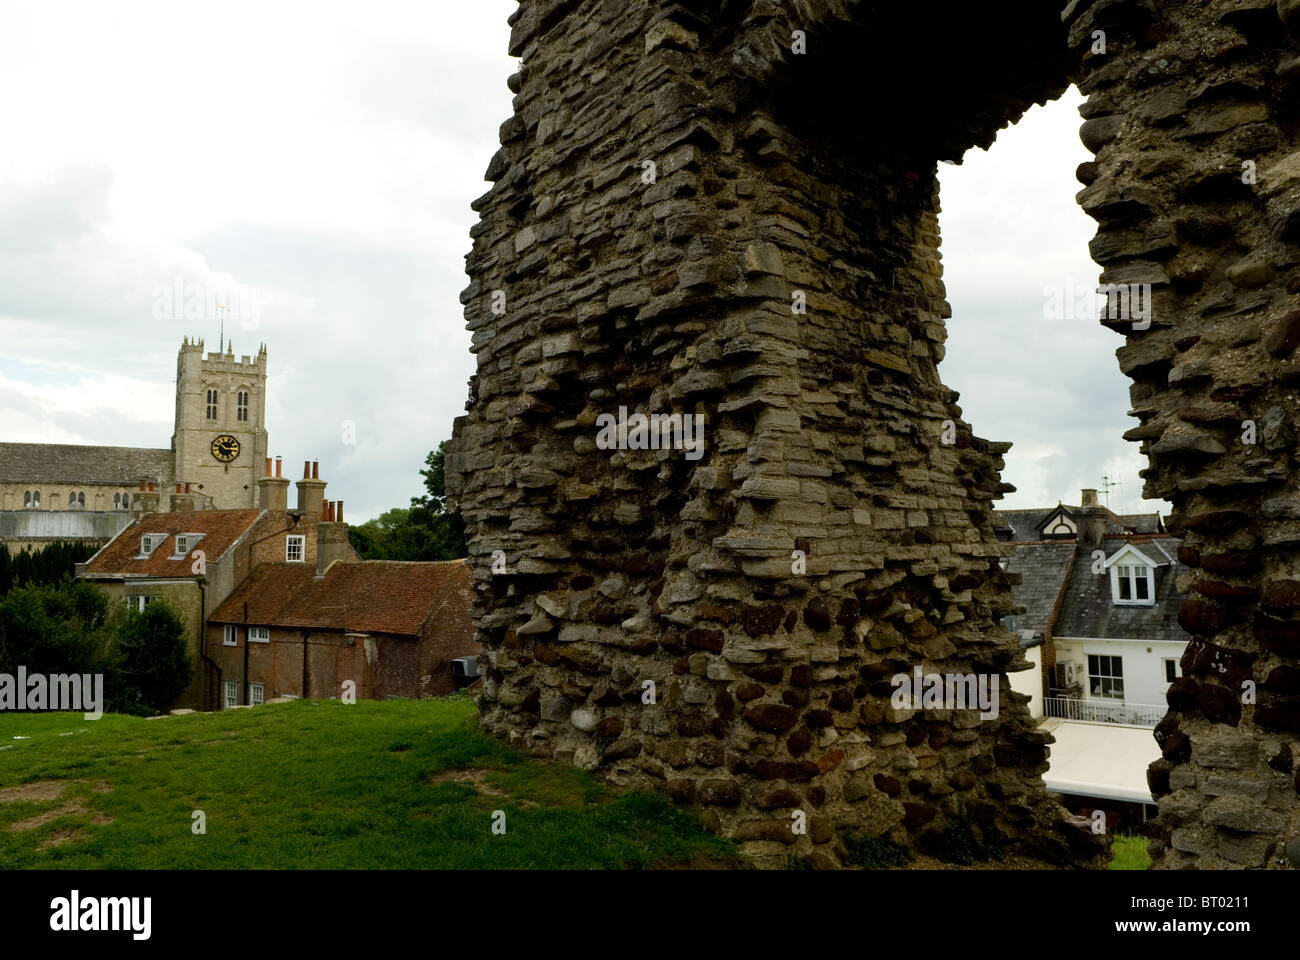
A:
<point x="873" y="853"/>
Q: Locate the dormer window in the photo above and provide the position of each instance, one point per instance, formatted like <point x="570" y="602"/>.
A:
<point x="150" y="542"/>
<point x="1132" y="582"/>
<point x="184" y="543"/>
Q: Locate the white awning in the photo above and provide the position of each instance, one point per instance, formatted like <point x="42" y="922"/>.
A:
<point x="1104" y="760"/>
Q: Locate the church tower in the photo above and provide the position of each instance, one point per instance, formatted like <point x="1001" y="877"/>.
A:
<point x="220" y="437"/>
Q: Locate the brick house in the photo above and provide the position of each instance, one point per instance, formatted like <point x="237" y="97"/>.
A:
<point x="392" y="628"/>
<point x="196" y="559"/>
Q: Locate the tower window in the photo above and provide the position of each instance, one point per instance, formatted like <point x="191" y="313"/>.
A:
<point x="212" y="404"/>
<point x="241" y="405"/>
<point x="117" y="501"/>
<point x="81" y="500"/>
<point x="36" y="500"/>
<point x="27" y="499"/>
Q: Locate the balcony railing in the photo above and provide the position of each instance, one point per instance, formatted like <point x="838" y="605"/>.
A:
<point x="1104" y="711"/>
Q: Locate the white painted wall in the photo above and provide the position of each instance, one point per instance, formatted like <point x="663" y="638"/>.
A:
<point x="1031" y="681"/>
<point x="1144" y="671"/>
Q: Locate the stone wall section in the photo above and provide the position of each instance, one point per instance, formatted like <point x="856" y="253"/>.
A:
<point x="1192" y="115"/>
<point x="784" y="284"/>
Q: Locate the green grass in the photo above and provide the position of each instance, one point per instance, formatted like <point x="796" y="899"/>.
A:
<point x="317" y="784"/>
<point x="1130" y="853"/>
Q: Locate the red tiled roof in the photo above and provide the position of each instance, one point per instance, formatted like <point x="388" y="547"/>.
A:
<point x="372" y="596"/>
<point x="121" y="556"/>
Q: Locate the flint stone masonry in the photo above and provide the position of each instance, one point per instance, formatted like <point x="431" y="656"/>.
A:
<point x="688" y="216"/>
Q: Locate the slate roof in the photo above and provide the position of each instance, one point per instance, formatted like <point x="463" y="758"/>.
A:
<point x="371" y="596"/>
<point x="1024" y="524"/>
<point x="220" y="529"/>
<point x="1089" y="612"/>
<point x="1042" y="568"/>
<point x="71" y="463"/>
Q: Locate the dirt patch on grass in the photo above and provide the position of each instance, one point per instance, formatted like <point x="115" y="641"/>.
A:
<point x="478" y="780"/>
<point x="71" y="808"/>
<point x="474" y="778"/>
<point x="60" y="837"/>
<point x="37" y="791"/>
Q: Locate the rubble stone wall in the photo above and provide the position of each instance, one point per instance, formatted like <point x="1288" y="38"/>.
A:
<point x="729" y="211"/>
<point x="1192" y="115"/>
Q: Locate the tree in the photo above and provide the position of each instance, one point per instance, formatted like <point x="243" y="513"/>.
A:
<point x="51" y="564"/>
<point x="151" y="666"/>
<point x="423" y="531"/>
<point x="58" y="629"/>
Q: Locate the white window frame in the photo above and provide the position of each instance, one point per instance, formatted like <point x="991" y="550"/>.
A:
<point x="149" y="542"/>
<point x="259" y="634"/>
<point x="1127" y="569"/>
<point x="230" y="635"/>
<point x="185" y="542"/>
<point x="137" y="602"/>
<point x="230" y="696"/>
<point x="1113" y="679"/>
<point x="256" y="694"/>
<point x="292" y="540"/>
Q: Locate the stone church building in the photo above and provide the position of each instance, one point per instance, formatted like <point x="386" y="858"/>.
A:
<point x="52" y="492"/>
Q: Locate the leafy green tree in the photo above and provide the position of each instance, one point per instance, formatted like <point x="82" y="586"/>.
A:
<point x="423" y="531"/>
<point x="51" y="564"/>
<point x="150" y="665"/>
<point x="57" y="629"/>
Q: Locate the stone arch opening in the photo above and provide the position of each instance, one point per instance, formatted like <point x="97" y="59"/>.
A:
<point x="680" y="225"/>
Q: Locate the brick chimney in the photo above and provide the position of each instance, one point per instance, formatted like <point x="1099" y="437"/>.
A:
<point x="273" y="491"/>
<point x="332" y="539"/>
<point x="311" y="492"/>
<point x="1091" y="520"/>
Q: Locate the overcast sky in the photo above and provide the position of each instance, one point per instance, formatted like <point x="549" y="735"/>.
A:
<point x="317" y="160"/>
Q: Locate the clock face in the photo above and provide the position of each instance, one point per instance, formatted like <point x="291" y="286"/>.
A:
<point x="225" y="448"/>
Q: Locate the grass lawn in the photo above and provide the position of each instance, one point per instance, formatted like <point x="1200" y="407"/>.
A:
<point x="391" y="784"/>
<point x="1130" y="853"/>
<point x="315" y="784"/>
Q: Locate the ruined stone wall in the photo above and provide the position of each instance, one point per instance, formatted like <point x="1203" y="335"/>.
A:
<point x="1192" y="114"/>
<point x="730" y="210"/>
<point x="779" y="277"/>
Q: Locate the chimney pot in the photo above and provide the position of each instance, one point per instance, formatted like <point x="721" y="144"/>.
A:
<point x="178" y="486"/>
<point x="338" y="511"/>
<point x="315" y="469"/>
<point x="306" y="469"/>
<point x="278" y="465"/>
<point x="142" y="486"/>
<point x="268" y="466"/>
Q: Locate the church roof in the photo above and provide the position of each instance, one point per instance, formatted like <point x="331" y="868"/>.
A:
<point x="73" y="463"/>
<point x="370" y="596"/>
